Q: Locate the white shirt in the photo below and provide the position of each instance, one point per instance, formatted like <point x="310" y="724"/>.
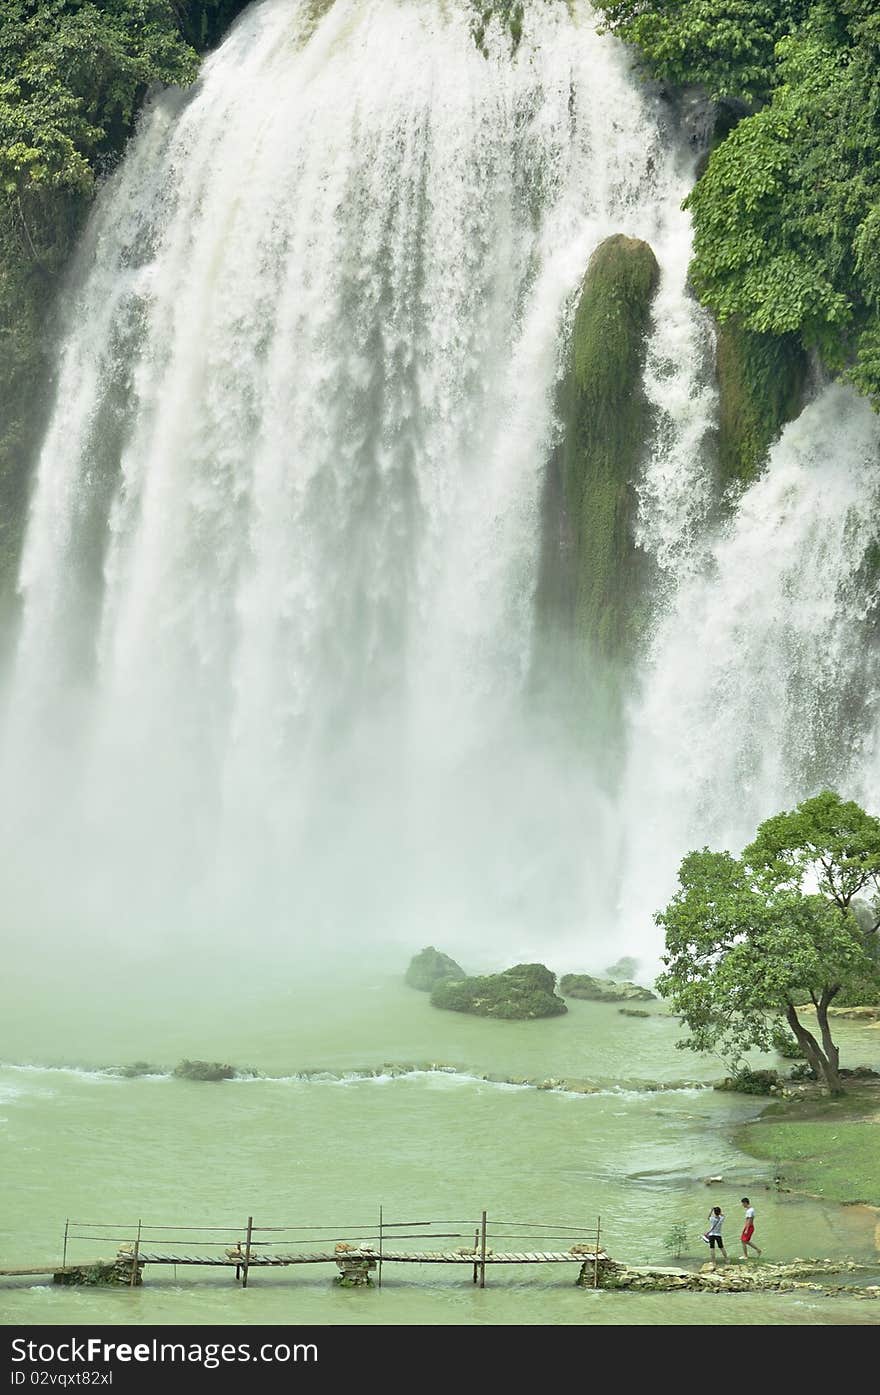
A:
<point x="715" y="1224"/>
<point x="750" y="1213"/>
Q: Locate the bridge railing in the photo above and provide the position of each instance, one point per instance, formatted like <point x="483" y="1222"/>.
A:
<point x="242" y="1243"/>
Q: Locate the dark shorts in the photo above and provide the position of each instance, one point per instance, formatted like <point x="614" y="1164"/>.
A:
<point x="716" y="1240"/>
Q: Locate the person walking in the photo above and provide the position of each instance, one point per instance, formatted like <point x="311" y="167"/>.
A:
<point x="713" y="1234"/>
<point x="748" y="1230"/>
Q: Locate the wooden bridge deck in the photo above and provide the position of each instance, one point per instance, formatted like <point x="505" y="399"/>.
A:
<point x="387" y="1257"/>
<point x="264" y="1261"/>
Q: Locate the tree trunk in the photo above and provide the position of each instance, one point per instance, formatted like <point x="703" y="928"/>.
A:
<point x="824" y="1065"/>
<point x="832" y="1053"/>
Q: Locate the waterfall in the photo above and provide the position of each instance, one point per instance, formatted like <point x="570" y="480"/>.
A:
<point x="762" y="683"/>
<point x="277" y="587"/>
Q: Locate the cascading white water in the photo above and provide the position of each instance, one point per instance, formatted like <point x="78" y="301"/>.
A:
<point x="763" y="680"/>
<point x="279" y="573"/>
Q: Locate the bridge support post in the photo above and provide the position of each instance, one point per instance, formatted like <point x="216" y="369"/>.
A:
<point x="355" y="1267"/>
<point x="247" y="1252"/>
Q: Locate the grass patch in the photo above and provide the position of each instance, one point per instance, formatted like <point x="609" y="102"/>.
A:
<point x="827" y="1147"/>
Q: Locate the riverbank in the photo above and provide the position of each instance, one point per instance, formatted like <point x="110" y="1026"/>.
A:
<point x="822" y="1147"/>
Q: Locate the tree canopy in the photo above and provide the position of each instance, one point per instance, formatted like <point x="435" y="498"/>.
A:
<point x="787" y="212"/>
<point x="72" y="73"/>
<point x="749" y="939"/>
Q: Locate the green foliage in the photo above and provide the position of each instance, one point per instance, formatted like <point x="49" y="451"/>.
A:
<point x="726" y="46"/>
<point x="526" y="991"/>
<point x="760" y="386"/>
<point x="71" y="76"/>
<point x="787" y="212"/>
<point x="802" y="1071"/>
<point x="785" y="1044"/>
<point x="751" y="1082"/>
<point x="747" y="938"/>
<point x="675" y="1241"/>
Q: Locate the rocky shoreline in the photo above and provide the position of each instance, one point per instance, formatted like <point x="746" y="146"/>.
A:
<point x="811" y="1275"/>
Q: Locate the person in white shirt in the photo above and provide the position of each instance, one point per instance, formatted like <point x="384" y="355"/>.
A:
<point x="748" y="1230"/>
<point x="713" y="1234"/>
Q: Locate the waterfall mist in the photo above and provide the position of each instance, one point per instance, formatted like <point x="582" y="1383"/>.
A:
<point x="271" y="680"/>
<point x="762" y="679"/>
<point x="270" y="694"/>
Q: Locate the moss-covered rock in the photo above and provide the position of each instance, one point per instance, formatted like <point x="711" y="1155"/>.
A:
<point x="430" y="967"/>
<point x="592" y="573"/>
<point x="751" y="1082"/>
<point x="203" y="1070"/>
<point x="137" y="1068"/>
<point x="603" y="990"/>
<point x="761" y="381"/>
<point x="624" y="970"/>
<point x="523" y="992"/>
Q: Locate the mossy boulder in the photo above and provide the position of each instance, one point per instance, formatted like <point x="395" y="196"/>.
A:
<point x="430" y="967"/>
<point x="761" y="380"/>
<point x="624" y="970"/>
<point x="603" y="990"/>
<point x="751" y="1082"/>
<point x="137" y="1068"/>
<point x="204" y="1070"/>
<point x="526" y="991"/>
<point x="592" y="573"/>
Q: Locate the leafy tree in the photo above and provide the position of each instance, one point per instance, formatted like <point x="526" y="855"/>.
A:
<point x="726" y="46"/>
<point x="787" y="212"/>
<point x="750" y="938"/>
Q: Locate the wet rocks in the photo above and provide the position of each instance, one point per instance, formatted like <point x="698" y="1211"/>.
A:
<point x="799" y="1274"/>
<point x="603" y="990"/>
<point x="430" y="967"/>
<point x="203" y="1070"/>
<point x="523" y="992"/>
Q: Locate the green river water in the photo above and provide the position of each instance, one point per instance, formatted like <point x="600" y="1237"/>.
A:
<point x="323" y="1142"/>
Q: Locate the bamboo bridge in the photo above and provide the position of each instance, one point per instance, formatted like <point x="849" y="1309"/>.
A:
<point x="248" y="1247"/>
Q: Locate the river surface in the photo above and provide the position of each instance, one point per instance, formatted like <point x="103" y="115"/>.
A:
<point x="368" y="1096"/>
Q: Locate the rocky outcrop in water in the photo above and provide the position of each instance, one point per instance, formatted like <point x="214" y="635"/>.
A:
<point x="603" y="990"/>
<point x="523" y="992"/>
<point x="591" y="568"/>
<point x="429" y="967"/>
<point x="204" y="1070"/>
